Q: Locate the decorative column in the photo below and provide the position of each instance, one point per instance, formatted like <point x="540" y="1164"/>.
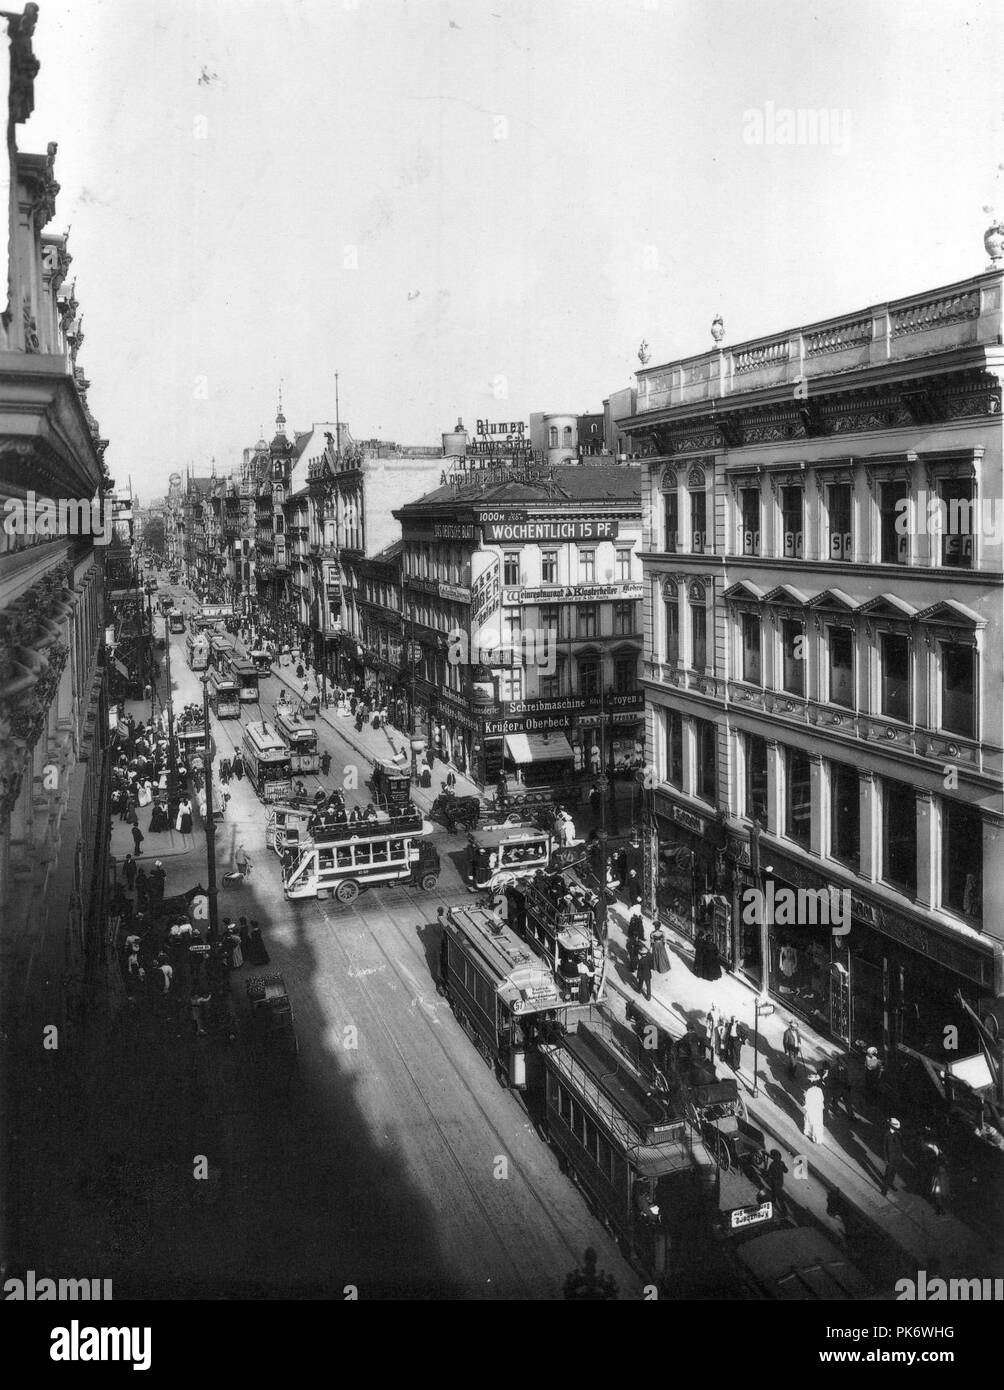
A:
<point x="818" y="804"/>
<point x="993" y="880"/>
<point x="869" y="838"/>
<point x="927" y="850"/>
<point x="775" y="780"/>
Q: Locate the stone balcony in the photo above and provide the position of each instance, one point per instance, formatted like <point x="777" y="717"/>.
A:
<point x="967" y="314"/>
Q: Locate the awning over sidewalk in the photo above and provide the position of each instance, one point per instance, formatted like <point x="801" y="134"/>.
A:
<point x="538" y="748"/>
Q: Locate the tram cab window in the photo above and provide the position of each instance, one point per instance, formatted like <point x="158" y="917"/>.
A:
<point x="325" y="859"/>
<point x="344" y="857"/>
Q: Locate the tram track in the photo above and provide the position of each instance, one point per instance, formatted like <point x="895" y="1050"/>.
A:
<point x="405" y="933"/>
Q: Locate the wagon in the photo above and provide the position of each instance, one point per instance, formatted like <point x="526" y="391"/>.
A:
<point x="718" y="1112"/>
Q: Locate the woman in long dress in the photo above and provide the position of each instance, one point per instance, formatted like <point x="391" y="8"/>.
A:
<point x="184" y="821"/>
<point x="813" y="1126"/>
<point x="158" y="818"/>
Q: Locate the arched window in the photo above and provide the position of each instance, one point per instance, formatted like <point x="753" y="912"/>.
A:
<point x="671" y="511"/>
<point x="671" y="600"/>
<point x="567" y="432"/>
<point x="552" y="437"/>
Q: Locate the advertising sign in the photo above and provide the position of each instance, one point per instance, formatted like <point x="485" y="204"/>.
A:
<point x="508" y="528"/>
<point x="750" y="1216"/>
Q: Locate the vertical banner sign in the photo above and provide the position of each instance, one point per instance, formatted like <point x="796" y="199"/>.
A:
<point x="486" y="605"/>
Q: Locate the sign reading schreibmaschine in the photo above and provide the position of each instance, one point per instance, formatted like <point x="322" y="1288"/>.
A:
<point x="499" y="529"/>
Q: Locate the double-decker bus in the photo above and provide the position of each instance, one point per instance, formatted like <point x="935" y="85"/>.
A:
<point x="223" y="696"/>
<point x="266" y="761"/>
<point x="244" y="675"/>
<point x="197" y="647"/>
<point x="358" y="855"/>
<point x="300" y="737"/>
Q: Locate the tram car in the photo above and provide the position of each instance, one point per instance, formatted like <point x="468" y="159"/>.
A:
<point x="191" y="743"/>
<point x="176" y="621"/>
<point x="502" y="993"/>
<point x="262" y="661"/>
<point x="625" y="1143"/>
<point x="391" y="785"/>
<point x="500" y="854"/>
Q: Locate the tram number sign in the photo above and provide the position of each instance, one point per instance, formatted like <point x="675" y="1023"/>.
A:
<point x="751" y="1216"/>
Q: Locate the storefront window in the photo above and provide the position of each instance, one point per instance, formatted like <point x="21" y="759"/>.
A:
<point x="800" y="965"/>
<point x="676" y="870"/>
<point x="899" y="836"/>
<point x="962" y="859"/>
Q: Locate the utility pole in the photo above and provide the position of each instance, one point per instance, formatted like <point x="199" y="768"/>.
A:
<point x="614" y="825"/>
<point x="603" y="824"/>
<point x="151" y="663"/>
<point x="214" y="916"/>
<point x="172" y="752"/>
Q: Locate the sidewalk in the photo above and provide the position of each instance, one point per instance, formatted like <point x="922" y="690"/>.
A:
<point x="850" y="1158"/>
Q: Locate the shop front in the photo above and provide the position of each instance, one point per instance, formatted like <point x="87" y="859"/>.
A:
<point x="454" y="731"/>
<point x="685" y="869"/>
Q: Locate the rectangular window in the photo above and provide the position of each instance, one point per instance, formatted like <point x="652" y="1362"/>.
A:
<point x="512" y="684"/>
<point x="797" y="797"/>
<point x="552" y="687"/>
<point x="958" y="688"/>
<point x="962" y="859"/>
<point x="750" y="508"/>
<point x="707" y="759"/>
<point x="586" y="620"/>
<point x="792" y="502"/>
<point x="751" y="648"/>
<point x="845" y="814"/>
<point x="587" y="566"/>
<point x="674" y="749"/>
<point x="756" y="778"/>
<point x="699" y="636"/>
<point x="672" y="631"/>
<point x="895" y="547"/>
<point x="623" y="564"/>
<point x="564" y="1104"/>
<point x="550" y="621"/>
<point x="959" y="522"/>
<point x="899" y="836"/>
<point x="625" y="675"/>
<point x="841" y="649"/>
<point x="793" y="646"/>
<point x="549" y="567"/>
<point x="589" y="679"/>
<point x="623" y="618"/>
<point x="672" y="520"/>
<point x="510" y="567"/>
<point x="699" y="521"/>
<point x="838" y="510"/>
<point x="895" y="649"/>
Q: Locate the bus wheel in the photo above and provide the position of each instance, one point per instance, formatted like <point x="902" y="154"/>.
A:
<point x="347" y="891"/>
<point x="429" y="881"/>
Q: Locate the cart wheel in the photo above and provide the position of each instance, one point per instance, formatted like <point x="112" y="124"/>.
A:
<point x="347" y="891"/>
<point x="721" y="1152"/>
<point x="429" y="882"/>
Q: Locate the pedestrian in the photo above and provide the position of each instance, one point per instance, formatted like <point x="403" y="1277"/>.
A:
<point x="142" y="890"/>
<point x="225" y="771"/>
<point x="129" y="872"/>
<point x="722" y="1038"/>
<point x="325" y="763"/>
<point x="738" y="1035"/>
<point x="774" y="1181"/>
<point x="812" y="1127"/>
<point x="660" y="952"/>
<point x="644" y="972"/>
<point x="873" y="1072"/>
<point x="892" y="1153"/>
<point x="937" y="1178"/>
<point x="157" y="880"/>
<point x="792" y="1044"/>
<point x="242" y="862"/>
<point x="585" y="974"/>
<point x="711" y="1027"/>
<point x="595" y="802"/>
<point x="237" y="766"/>
<point x="840" y="1086"/>
<point x="137" y="838"/>
<point x="184" y="822"/>
<point x="635" y="938"/>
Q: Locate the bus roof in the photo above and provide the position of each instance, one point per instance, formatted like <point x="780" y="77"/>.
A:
<point x="245" y="668"/>
<point x="497" y="835"/>
<point x="374" y="830"/>
<point x="509" y="959"/>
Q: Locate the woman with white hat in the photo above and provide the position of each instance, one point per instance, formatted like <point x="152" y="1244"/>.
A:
<point x="873" y="1071"/>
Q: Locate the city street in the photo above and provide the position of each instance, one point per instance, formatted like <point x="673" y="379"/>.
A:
<point x="337" y="1177"/>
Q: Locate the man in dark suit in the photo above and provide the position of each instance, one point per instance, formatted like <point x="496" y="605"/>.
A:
<point x="892" y="1152"/>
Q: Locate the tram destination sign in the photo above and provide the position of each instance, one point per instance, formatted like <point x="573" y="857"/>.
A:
<point x="501" y="527"/>
<point x="750" y="1216"/>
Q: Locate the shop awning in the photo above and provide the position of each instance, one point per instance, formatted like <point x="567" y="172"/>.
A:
<point x="538" y="748"/>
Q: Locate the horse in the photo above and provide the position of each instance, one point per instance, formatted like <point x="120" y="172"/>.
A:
<point x="453" y="809"/>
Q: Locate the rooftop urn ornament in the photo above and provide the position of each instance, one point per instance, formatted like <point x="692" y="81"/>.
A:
<point x="718" y="329"/>
<point x="644" y="356"/>
<point x="993" y="237"/>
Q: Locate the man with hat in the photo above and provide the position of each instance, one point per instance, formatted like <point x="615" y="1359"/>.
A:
<point x="892" y="1152"/>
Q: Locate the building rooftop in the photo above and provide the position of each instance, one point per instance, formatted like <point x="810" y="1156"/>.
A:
<point x="558" y="485"/>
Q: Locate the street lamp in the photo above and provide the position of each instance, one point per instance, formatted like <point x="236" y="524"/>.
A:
<point x="761" y="1009"/>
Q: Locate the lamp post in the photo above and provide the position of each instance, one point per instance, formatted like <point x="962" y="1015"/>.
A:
<point x="214" y="917"/>
<point x="761" y="1009"/>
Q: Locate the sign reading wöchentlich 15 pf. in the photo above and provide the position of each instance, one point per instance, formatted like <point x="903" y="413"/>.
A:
<point x="498" y="527"/>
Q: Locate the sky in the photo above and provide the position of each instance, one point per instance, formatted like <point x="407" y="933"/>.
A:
<point x="480" y="208"/>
